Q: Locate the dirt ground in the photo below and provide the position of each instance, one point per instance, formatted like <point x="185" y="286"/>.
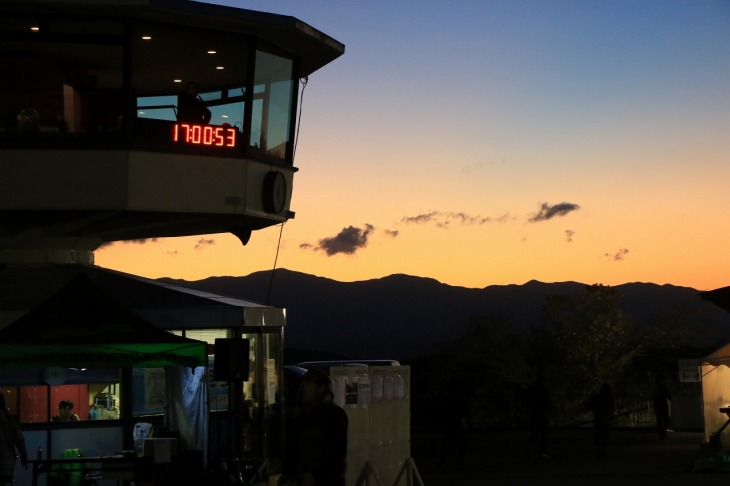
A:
<point x="634" y="457"/>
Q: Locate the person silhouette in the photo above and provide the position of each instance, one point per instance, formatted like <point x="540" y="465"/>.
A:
<point x="12" y="442"/>
<point x="317" y="446"/>
<point x="191" y="108"/>
<point x="661" y="398"/>
<point x="539" y="406"/>
<point x="455" y="424"/>
<point x="601" y="405"/>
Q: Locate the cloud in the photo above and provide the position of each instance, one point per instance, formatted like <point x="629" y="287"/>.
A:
<point x="347" y="241"/>
<point x="619" y="255"/>
<point x="171" y="252"/>
<point x="421" y="218"/>
<point x="392" y="233"/>
<point x="443" y="219"/>
<point x="569" y="235"/>
<point x="139" y="241"/>
<point x="202" y="243"/>
<point x="548" y="211"/>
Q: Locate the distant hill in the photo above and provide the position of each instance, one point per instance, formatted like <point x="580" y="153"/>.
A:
<point x="402" y="317"/>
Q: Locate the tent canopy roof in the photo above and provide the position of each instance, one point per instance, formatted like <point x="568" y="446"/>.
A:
<point x="718" y="357"/>
<point x="164" y="305"/>
<point x="80" y="325"/>
<point x="81" y="313"/>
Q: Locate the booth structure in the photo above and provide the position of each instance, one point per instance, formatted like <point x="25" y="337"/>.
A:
<point x="132" y="120"/>
<point x="715" y="372"/>
<point x="377" y="402"/>
<point x="715" y="376"/>
<point x="126" y="350"/>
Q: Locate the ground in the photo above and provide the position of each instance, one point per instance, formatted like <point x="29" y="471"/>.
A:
<point x="635" y="456"/>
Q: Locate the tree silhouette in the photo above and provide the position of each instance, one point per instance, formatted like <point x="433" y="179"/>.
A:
<point x="587" y="339"/>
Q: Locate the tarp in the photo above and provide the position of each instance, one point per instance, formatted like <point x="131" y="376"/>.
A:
<point x="81" y="326"/>
<point x="718" y="357"/>
<point x="716" y="377"/>
<point x="716" y="392"/>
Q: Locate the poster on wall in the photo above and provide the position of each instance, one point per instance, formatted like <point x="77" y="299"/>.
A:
<point x="154" y="388"/>
<point x="350" y="385"/>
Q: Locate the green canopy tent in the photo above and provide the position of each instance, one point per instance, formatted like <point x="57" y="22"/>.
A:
<point x="81" y="326"/>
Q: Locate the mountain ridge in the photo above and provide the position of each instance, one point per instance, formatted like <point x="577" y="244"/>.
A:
<point x="401" y="316"/>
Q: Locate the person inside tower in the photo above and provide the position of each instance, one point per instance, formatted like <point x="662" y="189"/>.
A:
<point x="191" y="108"/>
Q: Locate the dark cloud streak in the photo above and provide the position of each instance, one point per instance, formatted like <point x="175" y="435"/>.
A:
<point x="202" y="243"/>
<point x="139" y="241"/>
<point x="444" y="219"/>
<point x="619" y="255"/>
<point x="548" y="211"/>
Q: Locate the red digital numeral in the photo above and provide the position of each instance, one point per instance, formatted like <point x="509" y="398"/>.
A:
<point x="204" y="135"/>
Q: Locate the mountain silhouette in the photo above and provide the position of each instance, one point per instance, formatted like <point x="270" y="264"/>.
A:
<point x="402" y="317"/>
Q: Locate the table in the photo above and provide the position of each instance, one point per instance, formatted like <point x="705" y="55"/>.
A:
<point x="100" y="467"/>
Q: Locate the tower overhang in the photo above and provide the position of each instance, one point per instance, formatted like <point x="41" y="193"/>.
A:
<point x="99" y="142"/>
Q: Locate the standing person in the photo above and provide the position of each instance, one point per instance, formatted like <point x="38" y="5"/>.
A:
<point x="602" y="407"/>
<point x="539" y="405"/>
<point x="317" y="448"/>
<point x="65" y="412"/>
<point x="661" y="398"/>
<point x="12" y="444"/>
<point x="454" y="423"/>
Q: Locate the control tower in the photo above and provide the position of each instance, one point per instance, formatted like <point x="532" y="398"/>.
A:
<point x="135" y="119"/>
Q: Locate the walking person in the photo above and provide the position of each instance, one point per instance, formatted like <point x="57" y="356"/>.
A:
<point x="601" y="406"/>
<point x="455" y="423"/>
<point x="661" y="398"/>
<point x="539" y="406"/>
<point x="12" y="445"/>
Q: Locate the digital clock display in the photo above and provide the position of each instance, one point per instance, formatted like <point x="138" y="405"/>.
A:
<point x="213" y="136"/>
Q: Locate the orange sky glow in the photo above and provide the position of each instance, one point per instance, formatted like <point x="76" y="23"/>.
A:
<point x="570" y="141"/>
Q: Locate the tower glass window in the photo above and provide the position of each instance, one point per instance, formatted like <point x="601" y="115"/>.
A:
<point x="145" y="85"/>
<point x="272" y="105"/>
<point x="189" y="86"/>
<point x="59" y="86"/>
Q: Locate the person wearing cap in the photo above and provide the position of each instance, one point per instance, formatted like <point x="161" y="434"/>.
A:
<point x="317" y="445"/>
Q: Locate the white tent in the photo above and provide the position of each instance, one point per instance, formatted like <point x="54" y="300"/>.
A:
<point x="715" y="370"/>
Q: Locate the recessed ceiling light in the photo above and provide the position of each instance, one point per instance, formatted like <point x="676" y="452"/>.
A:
<point x="224" y="116"/>
<point x="212" y="52"/>
<point x="35" y="28"/>
<point x="177" y="80"/>
<point x="220" y="67"/>
<point x="146" y="37"/>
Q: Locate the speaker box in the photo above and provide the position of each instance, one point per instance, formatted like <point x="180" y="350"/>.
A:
<point x="230" y="362"/>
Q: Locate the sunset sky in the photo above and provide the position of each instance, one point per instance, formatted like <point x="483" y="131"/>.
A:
<point x="495" y="142"/>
